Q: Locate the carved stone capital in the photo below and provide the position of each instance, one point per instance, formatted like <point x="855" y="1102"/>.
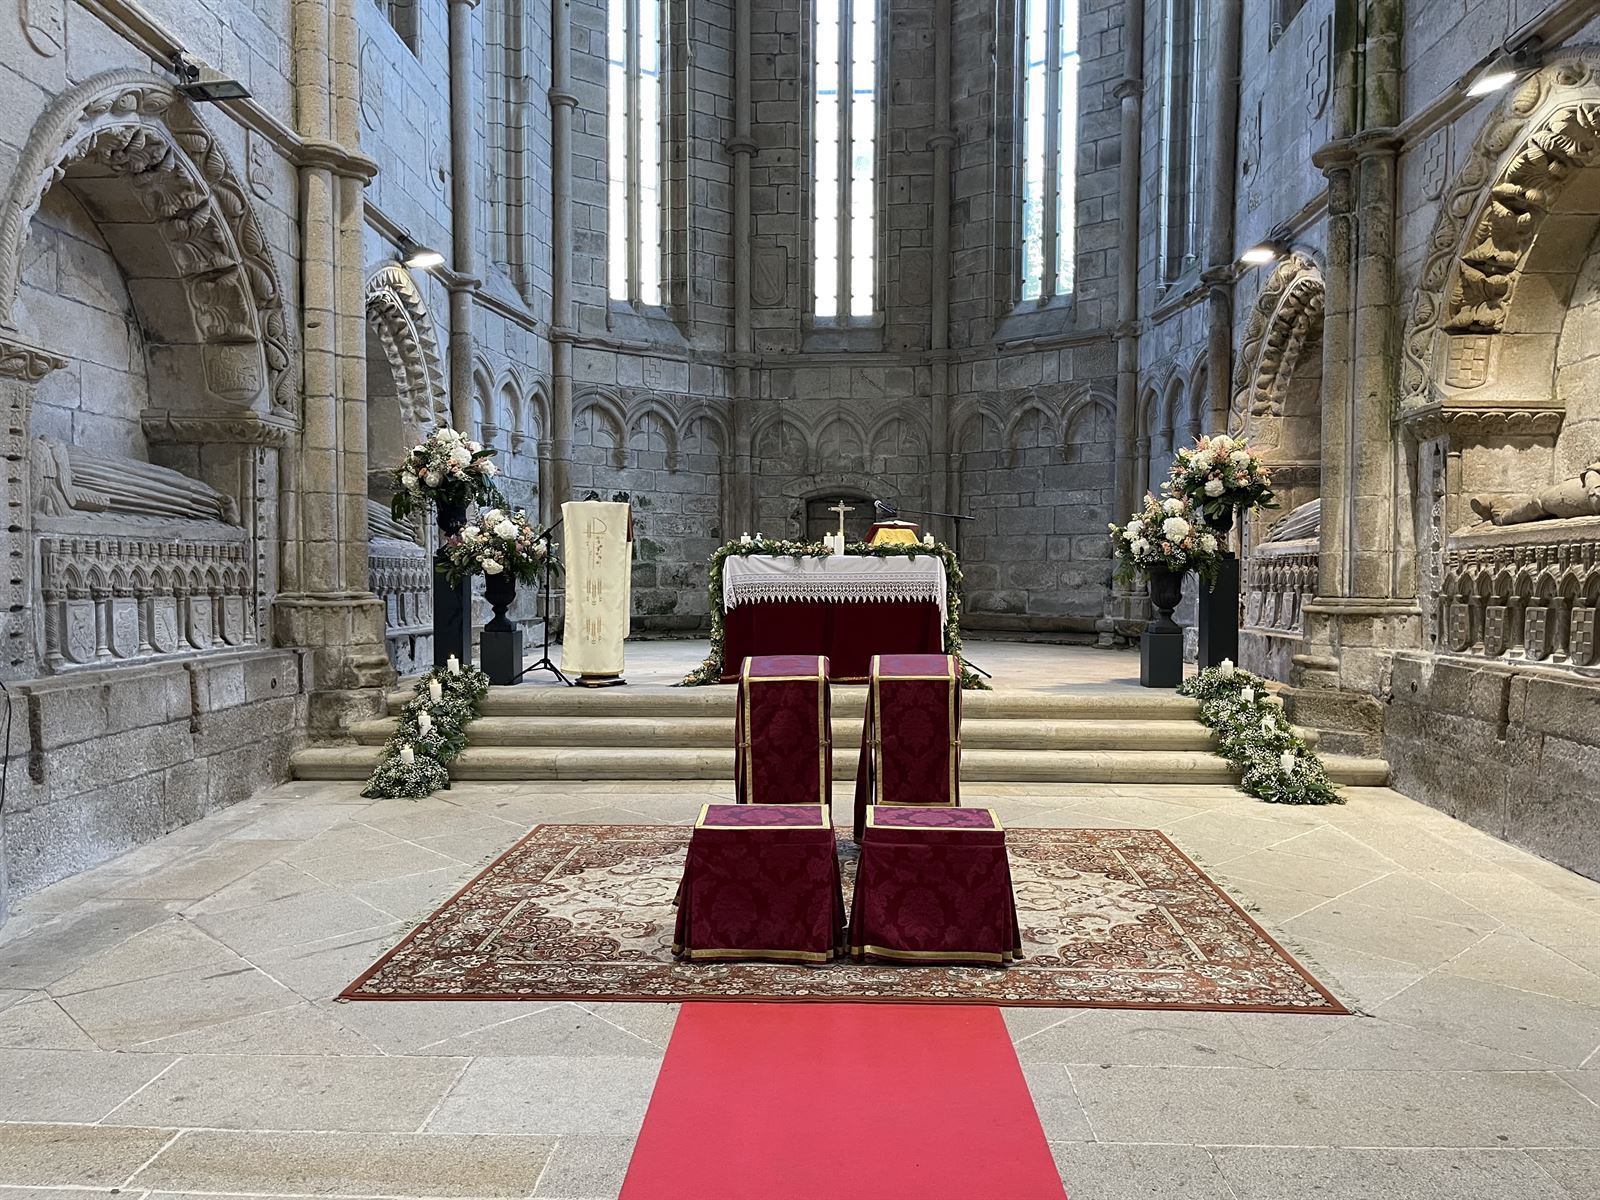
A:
<point x="1466" y="423"/>
<point x="741" y="145"/>
<point x="1128" y="88"/>
<point x="943" y="139"/>
<point x="561" y="98"/>
<point x="340" y="160"/>
<point x="20" y="360"/>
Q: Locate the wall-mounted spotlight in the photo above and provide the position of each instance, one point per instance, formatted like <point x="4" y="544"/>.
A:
<point x="1502" y="68"/>
<point x="419" y="257"/>
<point x="203" y="85"/>
<point x="1268" y="250"/>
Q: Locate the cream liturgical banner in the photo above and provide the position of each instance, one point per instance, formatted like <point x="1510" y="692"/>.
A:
<point x="598" y="536"/>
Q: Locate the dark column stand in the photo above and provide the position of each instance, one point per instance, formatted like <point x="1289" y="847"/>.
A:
<point x="501" y="642"/>
<point x="452" y="602"/>
<point x="1161" y="644"/>
<point x="1219" y="604"/>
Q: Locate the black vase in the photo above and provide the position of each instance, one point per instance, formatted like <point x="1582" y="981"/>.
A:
<point x="452" y="602"/>
<point x="499" y="590"/>
<point x="1166" y="593"/>
<point x="1222" y="523"/>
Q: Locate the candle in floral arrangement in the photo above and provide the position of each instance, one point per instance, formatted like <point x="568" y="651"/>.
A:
<point x="927" y="540"/>
<point x="454" y="665"/>
<point x="424" y="724"/>
<point x="408" y="756"/>
<point x="435" y="690"/>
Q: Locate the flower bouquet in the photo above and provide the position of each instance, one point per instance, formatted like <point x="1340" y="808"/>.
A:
<point x="1167" y="534"/>
<point x="1218" y="475"/>
<point x="1252" y="732"/>
<point x="497" y="542"/>
<point x="446" y="468"/>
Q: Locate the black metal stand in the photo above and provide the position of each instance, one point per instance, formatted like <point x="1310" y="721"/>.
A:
<point x="452" y="602"/>
<point x="1219" y="615"/>
<point x="545" y="663"/>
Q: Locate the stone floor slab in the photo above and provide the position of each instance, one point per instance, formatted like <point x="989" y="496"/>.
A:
<point x="1302" y="1173"/>
<point x="549" y="1097"/>
<point x="585" y="1168"/>
<point x="71" y="1085"/>
<point x="1101" y="1171"/>
<point x="75" y="1155"/>
<point x="130" y="1013"/>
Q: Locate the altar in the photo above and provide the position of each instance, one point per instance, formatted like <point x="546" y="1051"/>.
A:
<point x="845" y="606"/>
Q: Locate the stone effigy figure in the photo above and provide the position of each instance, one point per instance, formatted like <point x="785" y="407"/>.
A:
<point x="1575" y="497"/>
<point x="381" y="523"/>
<point x="68" y="479"/>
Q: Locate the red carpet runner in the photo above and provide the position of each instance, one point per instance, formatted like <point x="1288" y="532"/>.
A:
<point x="841" y="1102"/>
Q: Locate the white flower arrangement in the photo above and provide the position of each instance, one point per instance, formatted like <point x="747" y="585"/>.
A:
<point x="498" y="542"/>
<point x="1164" y="534"/>
<point x="1220" y="473"/>
<point x="1276" y="763"/>
<point x="430" y="734"/>
<point x="446" y="466"/>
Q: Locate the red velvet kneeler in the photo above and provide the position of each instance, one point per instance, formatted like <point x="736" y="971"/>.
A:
<point x="911" y="739"/>
<point x="783" y="731"/>
<point x="761" y="881"/>
<point x="934" y="885"/>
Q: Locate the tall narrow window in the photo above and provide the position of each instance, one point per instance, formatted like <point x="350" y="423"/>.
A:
<point x="1182" y="42"/>
<point x="505" y="108"/>
<point x="845" y="157"/>
<point x="1050" y="145"/>
<point x="633" y="47"/>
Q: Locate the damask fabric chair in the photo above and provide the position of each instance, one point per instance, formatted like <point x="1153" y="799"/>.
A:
<point x="911" y="739"/>
<point x="783" y="731"/>
<point x="934" y="886"/>
<point x="761" y="881"/>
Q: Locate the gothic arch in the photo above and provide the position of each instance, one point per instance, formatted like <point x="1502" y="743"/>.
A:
<point x="1286" y="315"/>
<point x="774" y="425"/>
<point x="1489" y="232"/>
<point x="399" y="318"/>
<point x="132" y="127"/>
<point x="607" y="408"/>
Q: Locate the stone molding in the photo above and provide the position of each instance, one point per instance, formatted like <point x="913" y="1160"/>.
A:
<point x="1490" y="219"/>
<point x="1463" y="423"/>
<point x="1279" y="324"/>
<point x="395" y="309"/>
<point x="163" y="425"/>
<point x="19" y="360"/>
<point x="137" y="126"/>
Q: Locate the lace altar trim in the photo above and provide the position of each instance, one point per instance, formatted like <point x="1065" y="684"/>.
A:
<point x="756" y="580"/>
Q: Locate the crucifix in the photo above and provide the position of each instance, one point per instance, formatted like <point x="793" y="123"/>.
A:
<point x="841" y="508"/>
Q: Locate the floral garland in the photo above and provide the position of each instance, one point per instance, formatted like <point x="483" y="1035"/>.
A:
<point x="495" y="542"/>
<point x="1255" y="736"/>
<point x="431" y="734"/>
<point x="710" y="671"/>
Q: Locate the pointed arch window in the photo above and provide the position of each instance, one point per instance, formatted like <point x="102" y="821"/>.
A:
<point x="1049" y="77"/>
<point x="635" y="103"/>
<point x="844" y="159"/>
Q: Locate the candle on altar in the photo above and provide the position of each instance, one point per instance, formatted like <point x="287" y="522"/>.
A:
<point x="435" y="690"/>
<point x="408" y="756"/>
<point x="454" y="665"/>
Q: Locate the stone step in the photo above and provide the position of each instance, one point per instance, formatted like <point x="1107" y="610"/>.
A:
<point x="717" y="733"/>
<point x="848" y="701"/>
<point x="487" y="762"/>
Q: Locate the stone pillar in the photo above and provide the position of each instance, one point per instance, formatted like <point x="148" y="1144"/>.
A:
<point x="1219" y="276"/>
<point x="1126" y="605"/>
<point x="562" y="103"/>
<point x="942" y="141"/>
<point x="326" y="606"/>
<point x="463" y="212"/>
<point x="22" y="366"/>
<point x="739" y="505"/>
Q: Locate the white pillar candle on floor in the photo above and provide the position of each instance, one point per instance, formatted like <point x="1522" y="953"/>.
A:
<point x="424" y="723"/>
<point x="435" y="690"/>
<point x="408" y="756"/>
<point x="454" y="665"/>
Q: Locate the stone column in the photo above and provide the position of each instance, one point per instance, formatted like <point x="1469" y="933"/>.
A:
<point x="739" y="505"/>
<point x="941" y="142"/>
<point x="22" y="366"/>
<point x="329" y="609"/>
<point x="562" y="103"/>
<point x="1219" y="276"/>
<point x="463" y="212"/>
<point x="1124" y="605"/>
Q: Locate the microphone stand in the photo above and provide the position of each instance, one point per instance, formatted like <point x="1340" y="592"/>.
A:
<point x="545" y="663"/>
<point x="890" y="512"/>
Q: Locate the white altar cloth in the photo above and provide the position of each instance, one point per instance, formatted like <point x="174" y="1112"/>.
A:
<point x="849" y="578"/>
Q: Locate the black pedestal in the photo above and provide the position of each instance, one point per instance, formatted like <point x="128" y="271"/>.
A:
<point x="502" y="655"/>
<point x="1161" y="658"/>
<point x="452" y="602"/>
<point x="1219" y="615"/>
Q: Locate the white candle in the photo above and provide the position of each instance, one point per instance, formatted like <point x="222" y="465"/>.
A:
<point x="435" y="690"/>
<point x="424" y="723"/>
<point x="454" y="665"/>
<point x="408" y="756"/>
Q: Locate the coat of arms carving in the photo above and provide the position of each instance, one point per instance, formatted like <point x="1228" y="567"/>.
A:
<point x="1583" y="636"/>
<point x="1319" y="68"/>
<point x="1435" y="155"/>
<point x="1466" y="360"/>
<point x="1494" y="630"/>
<point x="1540" y="629"/>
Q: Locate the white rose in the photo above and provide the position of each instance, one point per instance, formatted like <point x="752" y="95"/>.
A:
<point x="432" y="478"/>
<point x="1208" y="543"/>
<point x="1172" y="507"/>
<point x="1214" y="487"/>
<point x="474" y="446"/>
<point x="1248" y="695"/>
<point x="1140" y="547"/>
<point x="1136" y="526"/>
<point x="1175" y="529"/>
<point x="505" y="529"/>
<point x="469" y="535"/>
<point x="488" y="468"/>
<point x="408" y="479"/>
<point x="461" y="456"/>
<point x="1222" y="442"/>
<point x="1204" y="459"/>
<point x="1240" y="458"/>
<point x="491" y="566"/>
<point x="493" y="517"/>
<point x="1286" y="762"/>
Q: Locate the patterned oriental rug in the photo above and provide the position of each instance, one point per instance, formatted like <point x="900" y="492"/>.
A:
<point x="1111" y="918"/>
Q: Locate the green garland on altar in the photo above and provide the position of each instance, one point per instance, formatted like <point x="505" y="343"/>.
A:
<point x="459" y="703"/>
<point x="710" y="671"/>
<point x="1254" y="735"/>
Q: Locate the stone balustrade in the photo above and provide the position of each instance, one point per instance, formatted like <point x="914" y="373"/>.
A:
<point x="401" y="575"/>
<point x="129" y="596"/>
<point x="1280" y="577"/>
<point x="1523" y="593"/>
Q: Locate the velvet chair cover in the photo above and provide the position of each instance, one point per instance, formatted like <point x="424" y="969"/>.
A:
<point x="783" y="731"/>
<point x="934" y="885"/>
<point x="761" y="881"/>
<point x="911" y="739"/>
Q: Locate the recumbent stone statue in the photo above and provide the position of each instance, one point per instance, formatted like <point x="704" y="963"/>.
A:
<point x="1578" y="496"/>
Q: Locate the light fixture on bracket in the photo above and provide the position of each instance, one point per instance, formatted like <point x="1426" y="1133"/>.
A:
<point x="1502" y="68"/>
<point x="1268" y="250"/>
<point x="417" y="256"/>
<point x="203" y="85"/>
